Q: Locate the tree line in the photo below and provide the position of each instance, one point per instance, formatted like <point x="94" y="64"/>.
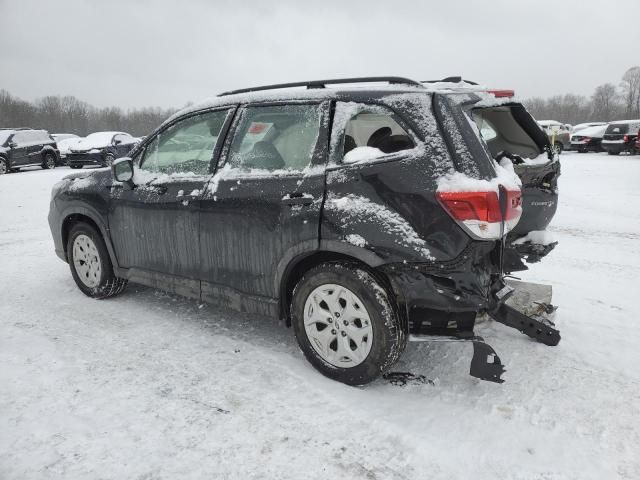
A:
<point x="67" y="114"/>
<point x="607" y="103"/>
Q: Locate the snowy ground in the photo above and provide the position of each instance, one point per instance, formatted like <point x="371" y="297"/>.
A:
<point x="150" y="386"/>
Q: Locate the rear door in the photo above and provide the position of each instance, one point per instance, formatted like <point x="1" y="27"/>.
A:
<point x="263" y="207"/>
<point x="155" y="225"/>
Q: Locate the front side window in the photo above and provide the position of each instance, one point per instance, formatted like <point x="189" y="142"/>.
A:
<point x="185" y="147"/>
<point x="370" y="131"/>
<point x="282" y="137"/>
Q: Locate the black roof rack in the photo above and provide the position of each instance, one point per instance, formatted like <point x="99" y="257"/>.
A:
<point x="450" y="80"/>
<point x="322" y="83"/>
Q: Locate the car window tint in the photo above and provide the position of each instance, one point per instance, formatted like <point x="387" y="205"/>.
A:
<point x="276" y="137"/>
<point x="372" y="133"/>
<point x="186" y="146"/>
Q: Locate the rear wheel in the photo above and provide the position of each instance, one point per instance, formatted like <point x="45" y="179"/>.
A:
<point x="558" y="147"/>
<point x="49" y="161"/>
<point x="75" y="167"/>
<point x="346" y="324"/>
<point x="613" y="153"/>
<point x="90" y="263"/>
<point x="4" y="167"/>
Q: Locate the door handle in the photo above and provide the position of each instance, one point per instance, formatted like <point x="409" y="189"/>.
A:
<point x="292" y="199"/>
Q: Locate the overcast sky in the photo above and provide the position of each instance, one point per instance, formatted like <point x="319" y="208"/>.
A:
<point x="168" y="52"/>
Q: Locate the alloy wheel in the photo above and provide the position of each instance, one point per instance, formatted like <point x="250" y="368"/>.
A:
<point x="338" y="325"/>
<point x="86" y="261"/>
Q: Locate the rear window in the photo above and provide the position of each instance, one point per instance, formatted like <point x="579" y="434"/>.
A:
<point x="617" y="128"/>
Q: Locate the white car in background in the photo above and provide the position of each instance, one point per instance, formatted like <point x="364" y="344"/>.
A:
<point x="582" y="126"/>
<point x="65" y="144"/>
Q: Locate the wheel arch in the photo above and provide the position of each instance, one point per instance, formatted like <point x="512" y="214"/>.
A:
<point x="85" y="215"/>
<point x="302" y="263"/>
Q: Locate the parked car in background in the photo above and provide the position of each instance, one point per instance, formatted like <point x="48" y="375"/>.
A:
<point x="100" y="148"/>
<point x="361" y="216"/>
<point x="558" y="133"/>
<point x="63" y="136"/>
<point x="26" y="147"/>
<point x="581" y="126"/>
<point x="588" y="139"/>
<point x="638" y="142"/>
<point x="621" y="136"/>
<point x="65" y="145"/>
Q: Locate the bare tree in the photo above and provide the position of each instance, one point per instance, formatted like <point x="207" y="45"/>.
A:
<point x="631" y="91"/>
<point x="605" y="102"/>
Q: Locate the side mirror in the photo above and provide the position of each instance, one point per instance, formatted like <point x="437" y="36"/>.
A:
<point x="122" y="170"/>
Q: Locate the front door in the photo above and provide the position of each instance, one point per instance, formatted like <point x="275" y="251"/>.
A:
<point x="263" y="206"/>
<point x="19" y="154"/>
<point x="155" y="225"/>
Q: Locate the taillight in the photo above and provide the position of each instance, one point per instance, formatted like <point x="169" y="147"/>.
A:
<point x="586" y="139"/>
<point x="502" y="93"/>
<point x="625" y="138"/>
<point x="479" y="213"/>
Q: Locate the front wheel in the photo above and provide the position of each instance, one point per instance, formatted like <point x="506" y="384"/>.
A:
<point x="346" y="323"/>
<point x="4" y="166"/>
<point x="90" y="263"/>
<point x="49" y="161"/>
<point x="558" y="147"/>
<point x="109" y="159"/>
<point x="613" y="153"/>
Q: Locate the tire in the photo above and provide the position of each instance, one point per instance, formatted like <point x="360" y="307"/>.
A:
<point x="558" y="147"/>
<point x="4" y="166"/>
<point x="49" y="161"/>
<point x="108" y="160"/>
<point x="75" y="167"/>
<point x="85" y="246"/>
<point x="364" y="313"/>
<point x="613" y="153"/>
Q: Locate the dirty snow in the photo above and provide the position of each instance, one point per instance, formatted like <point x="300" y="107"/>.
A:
<point x="149" y="385"/>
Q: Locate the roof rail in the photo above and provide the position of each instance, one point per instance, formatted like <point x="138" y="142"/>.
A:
<point x="450" y="80"/>
<point x="322" y="83"/>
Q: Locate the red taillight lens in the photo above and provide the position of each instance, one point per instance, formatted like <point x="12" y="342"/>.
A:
<point x="502" y="93"/>
<point x="479" y="213"/>
<point x="586" y="139"/>
<point x="472" y="205"/>
<point x="625" y="138"/>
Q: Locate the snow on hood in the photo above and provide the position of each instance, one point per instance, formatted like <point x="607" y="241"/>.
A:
<point x="65" y="145"/>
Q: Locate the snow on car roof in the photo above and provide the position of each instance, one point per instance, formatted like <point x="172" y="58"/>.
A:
<point x="549" y="122"/>
<point x="294" y="93"/>
<point x="624" y="122"/>
<point x="594" y="131"/>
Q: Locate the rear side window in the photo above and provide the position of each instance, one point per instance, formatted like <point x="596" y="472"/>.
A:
<point x="618" y="128"/>
<point x="185" y="147"/>
<point x="282" y="137"/>
<point x="370" y="131"/>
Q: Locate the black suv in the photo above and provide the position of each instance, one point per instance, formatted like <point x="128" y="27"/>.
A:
<point x="100" y="148"/>
<point x="24" y="147"/>
<point x="361" y="216"/>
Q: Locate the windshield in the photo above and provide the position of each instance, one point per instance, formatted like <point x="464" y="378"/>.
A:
<point x="4" y="135"/>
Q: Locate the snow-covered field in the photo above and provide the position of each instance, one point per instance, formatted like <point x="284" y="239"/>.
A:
<point x="149" y="385"/>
